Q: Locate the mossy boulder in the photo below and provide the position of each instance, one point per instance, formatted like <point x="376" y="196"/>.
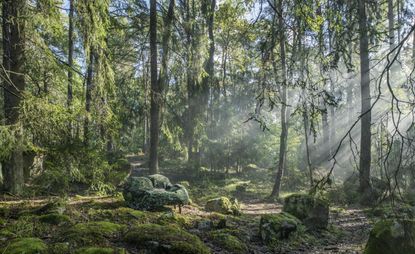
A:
<point x="392" y="237"/>
<point x="141" y="194"/>
<point x="273" y="227"/>
<point x="26" y="246"/>
<point x="223" y="205"/>
<point x="93" y="232"/>
<point x="153" y="238"/>
<point x="229" y="242"/>
<point x="55" y="219"/>
<point x="312" y="211"/>
<point x="159" y="181"/>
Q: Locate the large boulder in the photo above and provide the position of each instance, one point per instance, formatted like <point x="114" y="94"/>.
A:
<point x="392" y="237"/>
<point x="312" y="211"/>
<point x="153" y="193"/>
<point x="223" y="205"/>
<point x="153" y="238"/>
<point x="273" y="227"/>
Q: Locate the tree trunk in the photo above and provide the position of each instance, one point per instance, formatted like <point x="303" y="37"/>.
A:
<point x="14" y="84"/>
<point x="88" y="93"/>
<point x="391" y="20"/>
<point x="307" y="147"/>
<point x="70" y="53"/>
<point x="349" y="100"/>
<point x="155" y="92"/>
<point x="365" y="143"/>
<point x="284" y="123"/>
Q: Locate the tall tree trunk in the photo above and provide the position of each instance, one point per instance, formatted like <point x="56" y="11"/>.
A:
<point x="391" y="21"/>
<point x="88" y="93"/>
<point x="208" y="80"/>
<point x="332" y="127"/>
<point x="191" y="85"/>
<point x="365" y="142"/>
<point x="70" y="53"/>
<point x="349" y="100"/>
<point x="413" y="44"/>
<point x="307" y="146"/>
<point x="14" y="84"/>
<point x="155" y="92"/>
<point x="284" y="123"/>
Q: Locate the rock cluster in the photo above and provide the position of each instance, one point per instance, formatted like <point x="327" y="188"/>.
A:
<point x="153" y="193"/>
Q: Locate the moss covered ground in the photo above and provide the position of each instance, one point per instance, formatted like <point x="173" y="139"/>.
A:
<point x="96" y="224"/>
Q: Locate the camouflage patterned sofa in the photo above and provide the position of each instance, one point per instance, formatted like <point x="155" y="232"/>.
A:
<point x="153" y="193"/>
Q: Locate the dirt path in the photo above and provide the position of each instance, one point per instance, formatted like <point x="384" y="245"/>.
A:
<point x="355" y="227"/>
<point x="351" y="228"/>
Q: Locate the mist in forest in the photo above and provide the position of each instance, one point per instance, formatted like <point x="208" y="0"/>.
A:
<point x="207" y="126"/>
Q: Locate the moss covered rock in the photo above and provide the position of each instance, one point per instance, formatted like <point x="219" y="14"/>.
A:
<point x="223" y="205"/>
<point x="229" y="242"/>
<point x="93" y="232"/>
<point x="140" y="194"/>
<point x="153" y="238"/>
<point x="26" y="246"/>
<point x="159" y="181"/>
<point x="392" y="237"/>
<point x="55" y="219"/>
<point x="273" y="227"/>
<point x="312" y="211"/>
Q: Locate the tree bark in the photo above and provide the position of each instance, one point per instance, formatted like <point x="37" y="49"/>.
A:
<point x="307" y="147"/>
<point x="284" y="123"/>
<point x="391" y="20"/>
<point x="155" y="92"/>
<point x="14" y="84"/>
<point x="70" y="53"/>
<point x="365" y="142"/>
<point x="88" y="93"/>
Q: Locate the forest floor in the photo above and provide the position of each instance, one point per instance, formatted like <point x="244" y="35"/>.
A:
<point x="76" y="228"/>
<point x="347" y="233"/>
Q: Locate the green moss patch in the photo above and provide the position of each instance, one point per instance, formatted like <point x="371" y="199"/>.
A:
<point x="165" y="239"/>
<point x="228" y="242"/>
<point x="55" y="219"/>
<point x="121" y="215"/>
<point x="95" y="250"/>
<point x="93" y="232"/>
<point x="26" y="246"/>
